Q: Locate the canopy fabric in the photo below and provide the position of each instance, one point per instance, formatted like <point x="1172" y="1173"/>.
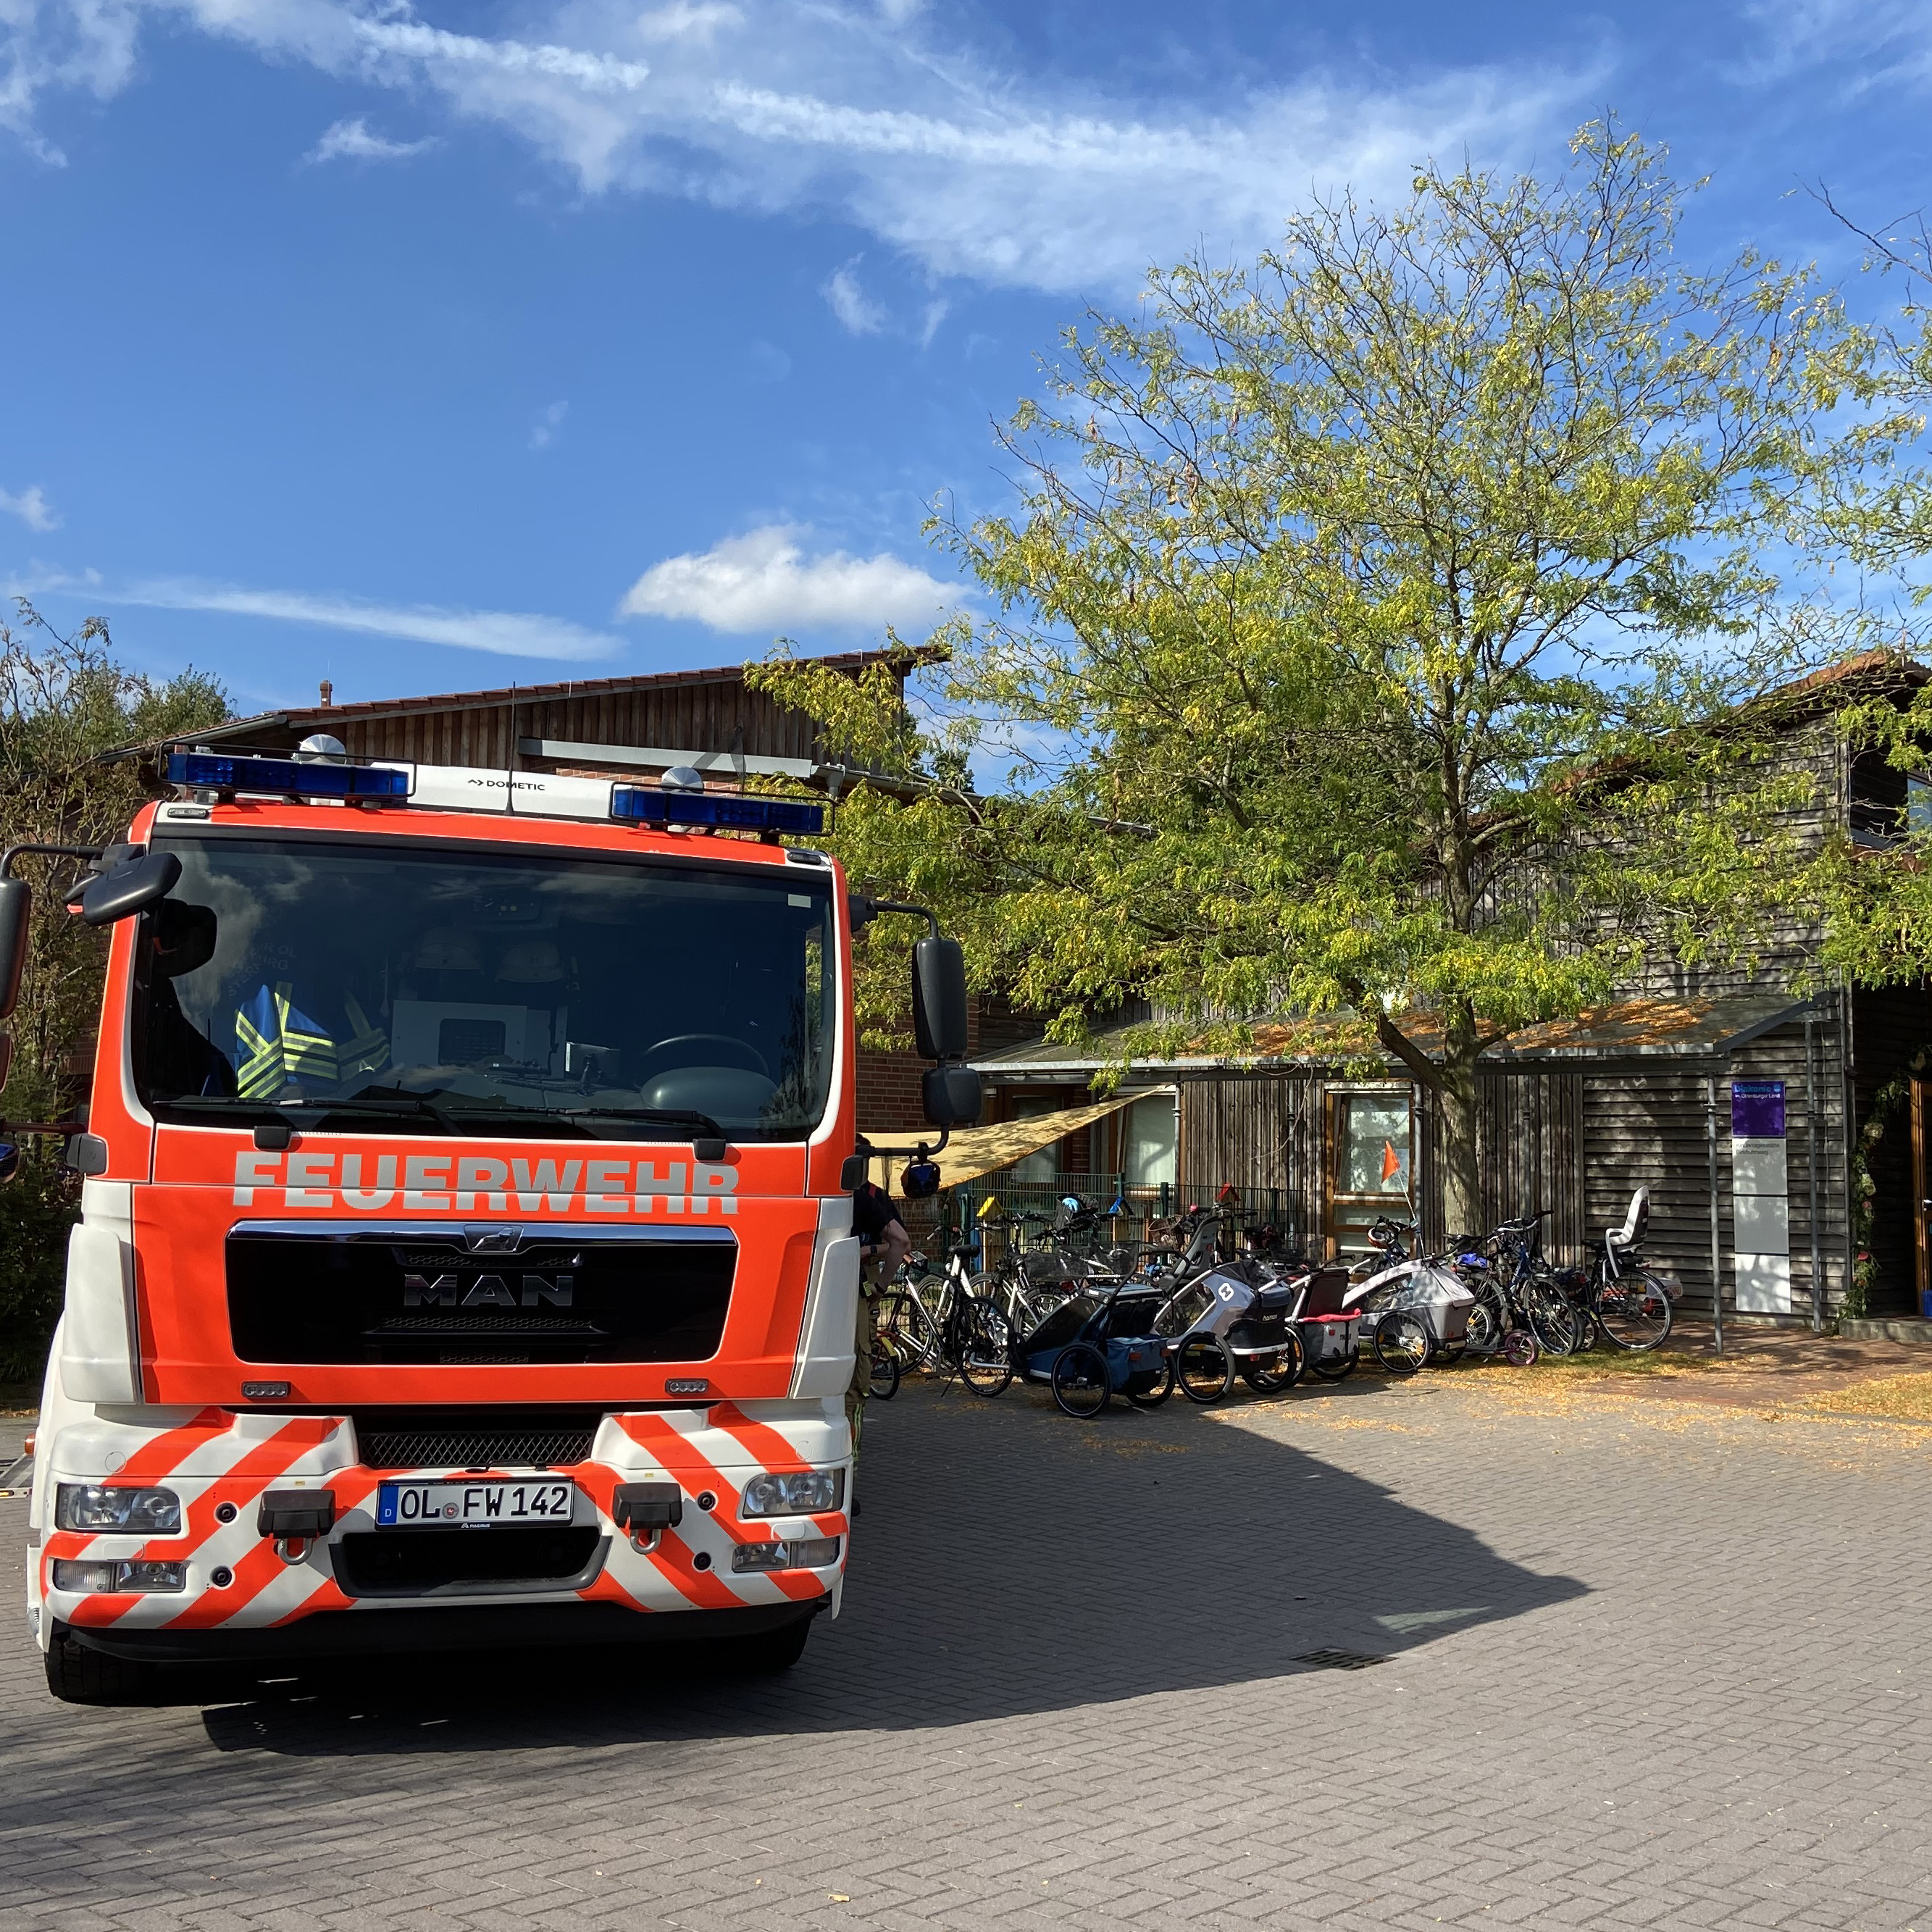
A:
<point x="977" y="1150"/>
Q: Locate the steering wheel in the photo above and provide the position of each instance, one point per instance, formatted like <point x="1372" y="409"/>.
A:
<point x="743" y="1054"/>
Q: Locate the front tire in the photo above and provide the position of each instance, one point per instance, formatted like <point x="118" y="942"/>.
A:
<point x="78" y="1675"/>
<point x="1153" y="1398"/>
<point x="1553" y="1318"/>
<point x="985" y="1355"/>
<point x="1080" y="1384"/>
<point x="1634" y="1310"/>
<point x="1402" y="1343"/>
<point x="1205" y="1370"/>
<point x="772" y="1652"/>
<point x="1273" y="1375"/>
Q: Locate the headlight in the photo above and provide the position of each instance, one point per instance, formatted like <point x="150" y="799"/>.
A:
<point x="104" y="1509"/>
<point x="809" y="1492"/>
<point x="797" y="1552"/>
<point x="93" y="1577"/>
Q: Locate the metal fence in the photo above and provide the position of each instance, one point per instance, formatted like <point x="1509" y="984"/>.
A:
<point x="955" y="1213"/>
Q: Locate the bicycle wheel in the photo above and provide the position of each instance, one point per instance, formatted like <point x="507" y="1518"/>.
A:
<point x="1080" y="1383"/>
<point x="983" y="1352"/>
<point x="1336" y="1368"/>
<point x="1633" y="1310"/>
<point x="1488" y="1319"/>
<point x="1401" y="1343"/>
<point x="1204" y="1368"/>
<point x="908" y="1331"/>
<point x="1551" y="1316"/>
<point x="1519" y="1349"/>
<point x="885" y="1380"/>
<point x="1271" y="1375"/>
<point x="1153" y="1398"/>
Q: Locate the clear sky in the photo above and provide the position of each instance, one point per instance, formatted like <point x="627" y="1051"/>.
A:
<point x="426" y="347"/>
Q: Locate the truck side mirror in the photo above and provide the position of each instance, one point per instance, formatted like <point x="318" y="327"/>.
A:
<point x="939" y="999"/>
<point x="951" y="1096"/>
<point x="130" y="887"/>
<point x="16" y="901"/>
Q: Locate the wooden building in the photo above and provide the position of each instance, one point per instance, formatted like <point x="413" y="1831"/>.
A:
<point x="611" y="725"/>
<point x="1736" y="1099"/>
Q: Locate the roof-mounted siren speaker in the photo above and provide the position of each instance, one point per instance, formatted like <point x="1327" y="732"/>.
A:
<point x="319" y="748"/>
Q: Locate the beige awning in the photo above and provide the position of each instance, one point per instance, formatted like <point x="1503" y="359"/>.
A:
<point x="976" y="1151"/>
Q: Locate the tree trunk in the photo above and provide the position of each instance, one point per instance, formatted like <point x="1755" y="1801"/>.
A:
<point x="1461" y="1181"/>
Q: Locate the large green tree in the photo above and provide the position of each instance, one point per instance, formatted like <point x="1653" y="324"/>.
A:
<point x="65" y="708"/>
<point x="1374" y="636"/>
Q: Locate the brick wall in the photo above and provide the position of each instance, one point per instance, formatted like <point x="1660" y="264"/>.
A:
<point x="889" y="1084"/>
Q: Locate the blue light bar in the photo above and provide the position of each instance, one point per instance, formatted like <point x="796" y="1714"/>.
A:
<point x="215" y="771"/>
<point x="726" y="813"/>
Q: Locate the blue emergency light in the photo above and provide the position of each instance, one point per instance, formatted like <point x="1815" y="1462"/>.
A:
<point x="728" y="813"/>
<point x="217" y="771"/>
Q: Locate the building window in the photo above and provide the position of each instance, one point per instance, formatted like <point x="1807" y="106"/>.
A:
<point x="1369" y="1153"/>
<point x="1150" y="1138"/>
<point x="1044" y="1164"/>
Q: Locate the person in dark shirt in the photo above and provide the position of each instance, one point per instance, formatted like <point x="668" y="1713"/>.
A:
<point x="883" y="1243"/>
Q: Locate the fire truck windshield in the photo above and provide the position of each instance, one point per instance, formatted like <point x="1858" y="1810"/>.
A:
<point x="546" y="995"/>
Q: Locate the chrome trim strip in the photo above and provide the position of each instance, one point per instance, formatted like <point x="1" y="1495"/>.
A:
<point x="610" y="1234"/>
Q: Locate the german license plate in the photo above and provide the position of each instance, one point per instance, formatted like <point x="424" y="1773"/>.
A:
<point x="459" y="1505"/>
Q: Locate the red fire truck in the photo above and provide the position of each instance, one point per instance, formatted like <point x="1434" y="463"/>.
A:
<point x="465" y="1255"/>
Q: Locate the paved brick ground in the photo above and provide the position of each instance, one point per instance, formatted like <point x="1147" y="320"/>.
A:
<point x="1649" y="1665"/>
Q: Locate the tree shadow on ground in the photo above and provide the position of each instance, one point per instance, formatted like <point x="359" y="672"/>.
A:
<point x="1007" y="1561"/>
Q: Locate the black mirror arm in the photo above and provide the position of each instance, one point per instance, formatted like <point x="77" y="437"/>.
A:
<point x="13" y="852"/>
<point x="924" y="1147"/>
<point x="925" y="913"/>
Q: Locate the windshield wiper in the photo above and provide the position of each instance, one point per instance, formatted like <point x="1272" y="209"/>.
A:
<point x="391" y="1100"/>
<point x="676" y="1117"/>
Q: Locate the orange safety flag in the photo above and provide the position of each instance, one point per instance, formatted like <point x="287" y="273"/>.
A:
<point x="1391" y="1162"/>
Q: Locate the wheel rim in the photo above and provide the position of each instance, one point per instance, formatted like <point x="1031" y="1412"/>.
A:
<point x="1402" y="1344"/>
<point x="1634" y="1311"/>
<point x="1204" y="1368"/>
<point x="1080" y="1384"/>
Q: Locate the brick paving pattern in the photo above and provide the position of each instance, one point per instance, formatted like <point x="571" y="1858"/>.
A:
<point x="1648" y="1664"/>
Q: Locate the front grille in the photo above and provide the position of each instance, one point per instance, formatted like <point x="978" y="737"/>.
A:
<point x="485" y="1321"/>
<point x="549" y="1440"/>
<point x="405" y="1562"/>
<point x="318" y="1292"/>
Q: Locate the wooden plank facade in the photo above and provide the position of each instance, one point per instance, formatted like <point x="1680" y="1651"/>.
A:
<point x="689" y="710"/>
<point x="1580" y="1138"/>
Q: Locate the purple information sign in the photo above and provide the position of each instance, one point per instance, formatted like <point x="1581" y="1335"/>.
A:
<point x="1757" y="1109"/>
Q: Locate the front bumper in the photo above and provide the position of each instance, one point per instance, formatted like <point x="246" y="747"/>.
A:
<point x="245" y="1594"/>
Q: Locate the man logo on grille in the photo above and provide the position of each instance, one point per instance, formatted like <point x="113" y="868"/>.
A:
<point x="486" y="1291"/>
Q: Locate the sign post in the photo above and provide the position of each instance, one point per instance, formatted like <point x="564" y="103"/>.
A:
<point x="1760" y="1202"/>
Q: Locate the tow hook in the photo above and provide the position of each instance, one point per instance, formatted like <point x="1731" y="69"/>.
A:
<point x="295" y="1518"/>
<point x="646" y="1510"/>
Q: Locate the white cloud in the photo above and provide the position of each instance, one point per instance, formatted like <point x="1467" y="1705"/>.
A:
<point x="855" y="309"/>
<point x="547" y="425"/>
<point x="763" y="582"/>
<point x="352" y="141"/>
<point x="684" y="21"/>
<point x="32" y="507"/>
<point x="506" y="633"/>
<point x="871" y="115"/>
<point x="61" y="46"/>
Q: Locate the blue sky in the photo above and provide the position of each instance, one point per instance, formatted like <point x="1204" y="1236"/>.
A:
<point x="434" y="346"/>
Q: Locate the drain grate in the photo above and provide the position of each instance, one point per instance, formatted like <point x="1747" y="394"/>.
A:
<point x="1339" y="1660"/>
